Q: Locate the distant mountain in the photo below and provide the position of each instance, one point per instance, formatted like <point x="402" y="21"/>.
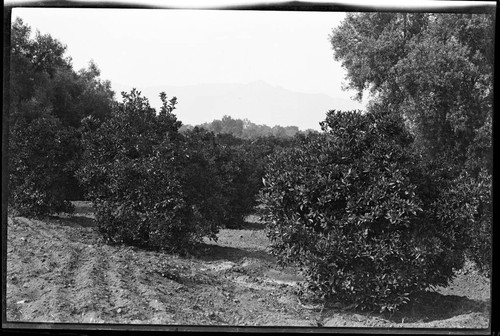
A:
<point x="258" y="101"/>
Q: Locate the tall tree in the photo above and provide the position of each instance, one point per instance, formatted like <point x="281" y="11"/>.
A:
<point x="48" y="102"/>
<point x="434" y="69"/>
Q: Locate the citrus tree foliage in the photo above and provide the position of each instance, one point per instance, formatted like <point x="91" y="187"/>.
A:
<point x="216" y="182"/>
<point x="241" y="162"/>
<point x="354" y="207"/>
<point x="41" y="163"/>
<point x="467" y="205"/>
<point x="48" y="101"/>
<point x="436" y="71"/>
<point x="240" y="185"/>
<point x="151" y="186"/>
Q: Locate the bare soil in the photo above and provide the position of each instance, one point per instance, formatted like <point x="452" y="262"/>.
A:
<point x="59" y="270"/>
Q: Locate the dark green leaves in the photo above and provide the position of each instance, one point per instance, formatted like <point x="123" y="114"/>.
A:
<point x="347" y="205"/>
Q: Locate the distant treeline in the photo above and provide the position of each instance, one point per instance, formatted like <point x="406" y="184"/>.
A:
<point x="245" y="129"/>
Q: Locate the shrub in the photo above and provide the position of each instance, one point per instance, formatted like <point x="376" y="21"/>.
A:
<point x="48" y="99"/>
<point x="151" y="186"/>
<point x="353" y="207"/>
<point x="205" y="179"/>
<point x="241" y="185"/>
<point x="240" y="174"/>
<point x="467" y="204"/>
<point x="232" y="170"/>
<point x="41" y="164"/>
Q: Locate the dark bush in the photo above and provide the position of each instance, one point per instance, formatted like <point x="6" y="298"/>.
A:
<point x="42" y="160"/>
<point x="48" y="99"/>
<point x="467" y="204"/>
<point x="239" y="166"/>
<point x="241" y="183"/>
<point x="151" y="186"/>
<point x="354" y="207"/>
<point x="232" y="165"/>
<point x="210" y="178"/>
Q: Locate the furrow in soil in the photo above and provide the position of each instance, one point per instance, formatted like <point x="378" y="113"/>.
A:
<point x="129" y="303"/>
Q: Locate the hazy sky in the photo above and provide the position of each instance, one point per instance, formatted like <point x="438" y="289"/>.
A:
<point x="143" y="47"/>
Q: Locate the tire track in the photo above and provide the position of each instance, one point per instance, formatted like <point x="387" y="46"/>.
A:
<point x="90" y="291"/>
<point x="126" y="300"/>
<point x="155" y="293"/>
<point x="64" y="298"/>
<point x="117" y="296"/>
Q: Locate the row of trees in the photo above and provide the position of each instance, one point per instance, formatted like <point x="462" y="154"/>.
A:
<point x="378" y="206"/>
<point x="245" y="129"/>
<point x="48" y="100"/>
<point x="152" y="185"/>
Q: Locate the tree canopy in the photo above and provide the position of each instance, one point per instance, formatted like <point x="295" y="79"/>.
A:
<point x="434" y="69"/>
<point x="48" y="100"/>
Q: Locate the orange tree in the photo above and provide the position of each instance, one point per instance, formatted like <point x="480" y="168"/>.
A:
<point x="356" y="209"/>
<point x="151" y="186"/>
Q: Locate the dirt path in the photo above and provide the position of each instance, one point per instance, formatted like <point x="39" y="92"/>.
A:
<point x="58" y="270"/>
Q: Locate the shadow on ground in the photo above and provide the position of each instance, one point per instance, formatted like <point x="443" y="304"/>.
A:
<point x="83" y="207"/>
<point x="73" y="221"/>
<point x="252" y="226"/>
<point x="251" y="222"/>
<point x="246" y="226"/>
<point x="210" y="252"/>
<point x="431" y="306"/>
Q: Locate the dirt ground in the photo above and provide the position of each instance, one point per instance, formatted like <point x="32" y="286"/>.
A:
<point x="58" y="270"/>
